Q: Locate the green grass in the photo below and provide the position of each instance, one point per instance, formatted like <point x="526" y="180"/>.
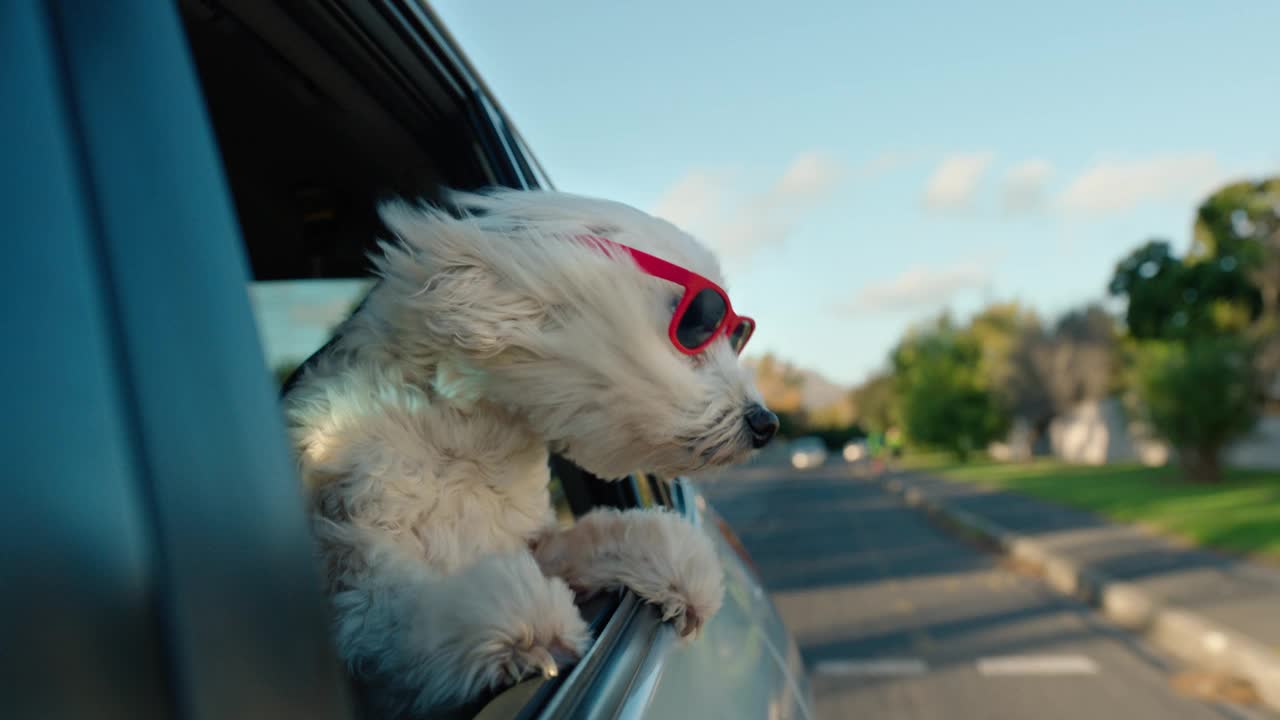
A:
<point x="1241" y="515"/>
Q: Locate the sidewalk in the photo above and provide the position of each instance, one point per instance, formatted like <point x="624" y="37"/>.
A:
<point x="1215" y="612"/>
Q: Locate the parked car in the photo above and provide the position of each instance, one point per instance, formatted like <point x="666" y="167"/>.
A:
<point x="855" y="450"/>
<point x="808" y="452"/>
<point x="158" y="159"/>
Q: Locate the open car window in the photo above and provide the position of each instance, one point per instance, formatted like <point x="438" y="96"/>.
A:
<point x="297" y="317"/>
<point x="321" y="110"/>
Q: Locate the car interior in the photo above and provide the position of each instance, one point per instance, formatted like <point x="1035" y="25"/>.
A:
<point x="320" y="110"/>
<point x="314" y="127"/>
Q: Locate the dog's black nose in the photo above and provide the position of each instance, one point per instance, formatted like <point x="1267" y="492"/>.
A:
<point x="762" y="424"/>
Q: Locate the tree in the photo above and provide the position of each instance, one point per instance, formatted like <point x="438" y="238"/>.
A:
<point x="1150" y="279"/>
<point x="1052" y="372"/>
<point x="999" y="329"/>
<point x="1200" y="395"/>
<point x="780" y="384"/>
<point x="874" y="403"/>
<point x="944" y="398"/>
<point x="1029" y="389"/>
<point x="783" y="387"/>
<point x="1240" y="225"/>
<point x="1169" y="299"/>
<point x="1197" y="322"/>
<point x="837" y="415"/>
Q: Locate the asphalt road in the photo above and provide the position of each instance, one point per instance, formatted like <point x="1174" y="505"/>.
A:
<point x="898" y="619"/>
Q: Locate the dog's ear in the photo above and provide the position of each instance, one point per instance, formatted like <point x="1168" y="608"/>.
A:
<point x="452" y="284"/>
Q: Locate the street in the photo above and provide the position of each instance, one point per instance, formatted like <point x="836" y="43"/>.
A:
<point x="896" y="618"/>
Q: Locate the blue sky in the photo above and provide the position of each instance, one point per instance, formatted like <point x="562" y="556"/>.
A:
<point x="861" y="165"/>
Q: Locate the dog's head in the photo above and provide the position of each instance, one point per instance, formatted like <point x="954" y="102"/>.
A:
<point x="503" y="298"/>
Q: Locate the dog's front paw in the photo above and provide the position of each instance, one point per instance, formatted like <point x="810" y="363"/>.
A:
<point x="686" y="611"/>
<point x="689" y="600"/>
<point x="655" y="553"/>
<point x="532" y="654"/>
<point x="678" y="569"/>
<point x="535" y="629"/>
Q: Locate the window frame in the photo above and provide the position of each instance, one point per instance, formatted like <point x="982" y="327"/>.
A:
<point x="216" y="490"/>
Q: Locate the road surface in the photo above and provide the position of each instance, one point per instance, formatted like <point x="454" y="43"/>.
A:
<point x="898" y="619"/>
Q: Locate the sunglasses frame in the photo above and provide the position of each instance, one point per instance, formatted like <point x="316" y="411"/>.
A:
<point x="692" y="282"/>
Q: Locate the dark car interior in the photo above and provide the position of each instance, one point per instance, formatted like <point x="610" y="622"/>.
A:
<point x="315" y="124"/>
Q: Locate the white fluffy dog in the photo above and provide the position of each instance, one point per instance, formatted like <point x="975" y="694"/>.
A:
<point x="422" y="432"/>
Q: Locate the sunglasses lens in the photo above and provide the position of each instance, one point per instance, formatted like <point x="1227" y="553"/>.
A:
<point x="701" y="319"/>
<point x="741" y="334"/>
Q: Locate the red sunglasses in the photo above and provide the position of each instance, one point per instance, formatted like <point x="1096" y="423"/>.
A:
<point x="703" y="312"/>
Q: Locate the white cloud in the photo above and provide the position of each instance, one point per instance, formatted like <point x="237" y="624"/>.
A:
<point x="955" y="181"/>
<point x="702" y="202"/>
<point x="1117" y="185"/>
<point x="919" y="288"/>
<point x="1024" y="186"/>
<point x="739" y="238"/>
<point x="810" y="176"/>
<point x="693" y="200"/>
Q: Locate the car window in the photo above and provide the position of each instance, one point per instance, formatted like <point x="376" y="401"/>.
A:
<point x="297" y="317"/>
<point x="312" y="136"/>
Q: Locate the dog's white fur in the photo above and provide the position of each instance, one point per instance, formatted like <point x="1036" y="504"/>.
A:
<point x="422" y="433"/>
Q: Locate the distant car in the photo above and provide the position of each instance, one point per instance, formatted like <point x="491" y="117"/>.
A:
<point x="855" y="450"/>
<point x="808" y="452"/>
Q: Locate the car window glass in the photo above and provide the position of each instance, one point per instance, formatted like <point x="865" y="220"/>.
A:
<point x="297" y="317"/>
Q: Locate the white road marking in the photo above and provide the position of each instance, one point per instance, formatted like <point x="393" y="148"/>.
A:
<point x="884" y="667"/>
<point x="1043" y="665"/>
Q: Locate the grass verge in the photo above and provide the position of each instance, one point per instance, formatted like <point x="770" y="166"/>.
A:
<point x="1240" y="515"/>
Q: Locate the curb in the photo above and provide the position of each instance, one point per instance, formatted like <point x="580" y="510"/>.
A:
<point x="1183" y="633"/>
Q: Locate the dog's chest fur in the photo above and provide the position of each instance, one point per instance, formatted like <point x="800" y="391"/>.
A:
<point x="392" y="463"/>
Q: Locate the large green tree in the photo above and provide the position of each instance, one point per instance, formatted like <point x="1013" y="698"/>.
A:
<point x="944" y="398"/>
<point x="875" y="404"/>
<point x="999" y="329"/>
<point x="1240" y="225"/>
<point x="1172" y="299"/>
<point x="1200" y="395"/>
<point x="1203" y="324"/>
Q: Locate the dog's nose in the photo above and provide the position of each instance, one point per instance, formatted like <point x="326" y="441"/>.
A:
<point x="762" y="424"/>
